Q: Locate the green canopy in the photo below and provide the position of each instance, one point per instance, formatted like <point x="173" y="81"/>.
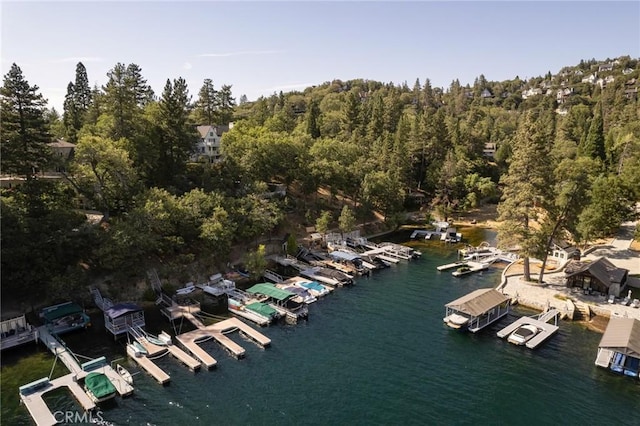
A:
<point x="262" y="309"/>
<point x="99" y="385"/>
<point x="271" y="291"/>
<point x="62" y="311"/>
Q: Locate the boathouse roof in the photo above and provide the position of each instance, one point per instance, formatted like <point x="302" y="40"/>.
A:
<point x="270" y="290"/>
<point x="121" y="309"/>
<point x="478" y="302"/>
<point x="602" y="269"/>
<point x="62" y="311"/>
<point x="622" y="335"/>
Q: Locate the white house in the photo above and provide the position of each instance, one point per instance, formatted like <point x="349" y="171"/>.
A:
<point x="605" y="67"/>
<point x="208" y="146"/>
<point x="591" y="78"/>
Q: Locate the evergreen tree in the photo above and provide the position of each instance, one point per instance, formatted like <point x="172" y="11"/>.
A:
<point x="206" y="106"/>
<point x="71" y="119"/>
<point x="178" y="135"/>
<point x="25" y="133"/>
<point x="227" y="104"/>
<point x="524" y="189"/>
<point x="312" y="120"/>
<point x="594" y="143"/>
<point x="347" y="220"/>
<point x="82" y="91"/>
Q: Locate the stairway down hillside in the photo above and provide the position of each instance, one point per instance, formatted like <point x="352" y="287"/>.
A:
<point x="582" y="312"/>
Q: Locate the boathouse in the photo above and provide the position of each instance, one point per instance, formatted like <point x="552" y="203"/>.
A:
<point x="599" y="275"/>
<point x="619" y="348"/>
<point x="477" y="309"/>
<point x="120" y="317"/>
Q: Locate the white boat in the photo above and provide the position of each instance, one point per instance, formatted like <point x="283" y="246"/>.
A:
<point x="455" y="320"/>
<point x="523" y="334"/>
<point x="124" y="373"/>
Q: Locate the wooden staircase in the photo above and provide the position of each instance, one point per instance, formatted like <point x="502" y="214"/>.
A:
<point x="583" y="312"/>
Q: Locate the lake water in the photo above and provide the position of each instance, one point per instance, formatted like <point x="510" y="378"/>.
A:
<point x="374" y="354"/>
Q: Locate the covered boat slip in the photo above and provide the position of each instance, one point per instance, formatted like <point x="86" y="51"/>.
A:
<point x="64" y="317"/>
<point x="120" y="317"/>
<point x="480" y="308"/>
<point x="281" y="300"/>
<point x="16" y="331"/>
<point x="619" y="348"/>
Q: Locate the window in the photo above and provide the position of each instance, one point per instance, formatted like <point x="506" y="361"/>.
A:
<point x="211" y="134"/>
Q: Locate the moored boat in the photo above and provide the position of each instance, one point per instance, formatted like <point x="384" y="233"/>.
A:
<point x="99" y="387"/>
<point x="124" y="373"/>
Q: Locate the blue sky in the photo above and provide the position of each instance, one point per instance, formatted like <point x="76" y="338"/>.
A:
<point x="263" y="47"/>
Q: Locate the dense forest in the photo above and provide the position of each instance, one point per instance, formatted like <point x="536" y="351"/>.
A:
<point x="559" y="154"/>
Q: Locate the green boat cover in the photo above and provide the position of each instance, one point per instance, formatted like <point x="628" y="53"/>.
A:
<point x="62" y="311"/>
<point x="99" y="385"/>
<point x="262" y="309"/>
<point x="271" y="291"/>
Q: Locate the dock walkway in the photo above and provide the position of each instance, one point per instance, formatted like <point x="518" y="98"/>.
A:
<point x="546" y="329"/>
<point x="40" y="411"/>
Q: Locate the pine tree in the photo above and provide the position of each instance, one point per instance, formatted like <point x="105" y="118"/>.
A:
<point x="70" y="118"/>
<point x="312" y="120"/>
<point x="227" y="104"/>
<point x="178" y="135"/>
<point x="525" y="187"/>
<point x="207" y="104"/>
<point x="25" y="133"/>
<point x="594" y="142"/>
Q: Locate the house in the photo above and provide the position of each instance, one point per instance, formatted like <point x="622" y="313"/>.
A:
<point x="630" y="82"/>
<point x="605" y="67"/>
<point x="208" y="146"/>
<point x="631" y="93"/>
<point x="563" y="94"/>
<point x="486" y="94"/>
<point x="562" y="251"/>
<point x="591" y="78"/>
<point x="619" y="348"/>
<point x="627" y="71"/>
<point x="578" y="72"/>
<point x="489" y="150"/>
<point x="596" y="276"/>
<point x="62" y="152"/>
<point x="531" y="92"/>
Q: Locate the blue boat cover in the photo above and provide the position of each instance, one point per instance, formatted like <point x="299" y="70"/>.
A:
<point x="120" y="309"/>
<point x="313" y="285"/>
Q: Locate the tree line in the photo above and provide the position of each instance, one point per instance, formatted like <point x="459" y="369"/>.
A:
<point x="381" y="146"/>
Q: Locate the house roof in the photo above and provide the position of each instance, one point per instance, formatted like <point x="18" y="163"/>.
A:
<point x="205" y="129"/>
<point x="478" y="302"/>
<point x="61" y="144"/>
<point x="606" y="272"/>
<point x="622" y="335"/>
<point x="120" y="309"/>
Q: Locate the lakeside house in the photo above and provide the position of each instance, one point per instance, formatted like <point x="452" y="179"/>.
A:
<point x="619" y="348"/>
<point x="562" y="251"/>
<point x="599" y="276"/>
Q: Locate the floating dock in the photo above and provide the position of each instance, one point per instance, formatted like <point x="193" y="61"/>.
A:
<point x="546" y="330"/>
<point x="38" y="408"/>
<point x="148" y="365"/>
<point x="471" y="268"/>
<point x="31" y="394"/>
<point x="452" y="265"/>
<point x="217" y="331"/>
<point x="184" y="357"/>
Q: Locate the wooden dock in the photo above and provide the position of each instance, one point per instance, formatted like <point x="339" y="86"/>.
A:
<point x="184" y="357"/>
<point x="40" y="411"/>
<point x="546" y="330"/>
<point x="148" y="365"/>
<point x="472" y="267"/>
<point x="190" y="342"/>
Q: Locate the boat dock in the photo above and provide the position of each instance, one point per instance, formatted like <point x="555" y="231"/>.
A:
<point x="32" y="393"/>
<point x="470" y="268"/>
<point x="541" y="322"/>
<point x="452" y="265"/>
<point x="39" y="410"/>
<point x="148" y="365"/>
<point x="217" y="331"/>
